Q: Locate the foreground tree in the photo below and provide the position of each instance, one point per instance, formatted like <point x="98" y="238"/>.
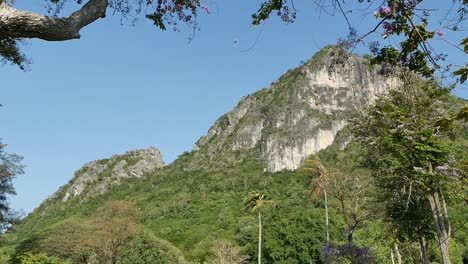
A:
<point x="102" y="238"/>
<point x="147" y="249"/>
<point x="349" y="186"/>
<point x="114" y="226"/>
<point x="410" y="161"/>
<point x="71" y="240"/>
<point x="313" y="168"/>
<point x="16" y="25"/>
<point x="10" y="166"/>
<point x="225" y="252"/>
<point x="352" y="191"/>
<point x="256" y="202"/>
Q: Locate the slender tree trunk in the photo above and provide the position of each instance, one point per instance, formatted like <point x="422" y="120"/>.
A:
<point x="392" y="257"/>
<point x="327" y="233"/>
<point x="350" y="242"/>
<point x="396" y="247"/>
<point x="423" y="250"/>
<point x="259" y="237"/>
<point x="326" y="216"/>
<point x="440" y="220"/>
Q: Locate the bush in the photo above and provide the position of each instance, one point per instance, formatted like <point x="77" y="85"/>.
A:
<point x="146" y="249"/>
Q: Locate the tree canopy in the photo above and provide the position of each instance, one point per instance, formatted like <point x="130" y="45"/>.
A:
<point x="411" y="162"/>
<point x="10" y="166"/>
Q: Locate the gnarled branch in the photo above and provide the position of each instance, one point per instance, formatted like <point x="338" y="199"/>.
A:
<point x="16" y="23"/>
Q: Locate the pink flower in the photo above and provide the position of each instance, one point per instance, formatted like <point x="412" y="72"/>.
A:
<point x="439" y="33"/>
<point x="385" y="11"/>
<point x="388" y="28"/>
<point x="235" y="40"/>
<point x="206" y="8"/>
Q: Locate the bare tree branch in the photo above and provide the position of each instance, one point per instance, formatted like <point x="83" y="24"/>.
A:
<point x="16" y="23"/>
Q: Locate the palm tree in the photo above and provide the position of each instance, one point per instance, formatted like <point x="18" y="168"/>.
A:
<point x="312" y="167"/>
<point x="255" y="202"/>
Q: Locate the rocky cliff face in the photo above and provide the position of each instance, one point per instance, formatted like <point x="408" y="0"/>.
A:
<point x="97" y="176"/>
<point x="301" y="113"/>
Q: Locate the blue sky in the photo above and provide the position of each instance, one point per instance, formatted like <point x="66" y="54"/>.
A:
<point x="123" y="87"/>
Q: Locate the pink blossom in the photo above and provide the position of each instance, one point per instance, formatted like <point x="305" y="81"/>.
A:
<point x="235" y="40"/>
<point x="385" y="11"/>
<point x="206" y="8"/>
<point x="439" y="33"/>
<point x="388" y="28"/>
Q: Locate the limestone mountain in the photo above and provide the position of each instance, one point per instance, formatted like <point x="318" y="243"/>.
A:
<point x="300" y="113"/>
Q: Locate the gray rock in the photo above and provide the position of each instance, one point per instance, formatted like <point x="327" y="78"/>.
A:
<point x="300" y="114"/>
<point x="95" y="177"/>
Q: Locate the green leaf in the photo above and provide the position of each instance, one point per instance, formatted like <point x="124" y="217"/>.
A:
<point x="463" y="72"/>
<point x="464" y="43"/>
<point x="463" y="114"/>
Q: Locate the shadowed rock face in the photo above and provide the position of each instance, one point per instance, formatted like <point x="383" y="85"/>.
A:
<point x="96" y="177"/>
<point x="299" y="114"/>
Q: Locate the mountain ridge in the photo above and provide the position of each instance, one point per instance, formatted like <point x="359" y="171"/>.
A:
<point x="311" y="102"/>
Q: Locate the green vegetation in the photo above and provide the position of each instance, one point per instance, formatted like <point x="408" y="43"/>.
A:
<point x="364" y="199"/>
<point x="411" y="163"/>
<point x="10" y="166"/>
<point x="146" y="249"/>
<point x="41" y="259"/>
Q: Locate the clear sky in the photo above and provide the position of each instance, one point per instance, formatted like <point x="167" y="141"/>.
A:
<point x="123" y="87"/>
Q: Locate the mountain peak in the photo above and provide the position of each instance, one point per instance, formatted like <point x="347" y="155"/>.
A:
<point x="97" y="176"/>
<point x="301" y="112"/>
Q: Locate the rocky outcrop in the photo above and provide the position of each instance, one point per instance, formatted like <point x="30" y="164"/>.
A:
<point x="96" y="177"/>
<point x="301" y="113"/>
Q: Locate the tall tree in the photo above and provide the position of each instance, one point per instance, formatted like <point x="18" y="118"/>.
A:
<point x="10" y="166"/>
<point x="320" y="177"/>
<point x="103" y="236"/>
<point x="350" y="187"/>
<point x="410" y="161"/>
<point x="352" y="191"/>
<point x="256" y="202"/>
<point x="115" y="225"/>
<point x="71" y="240"/>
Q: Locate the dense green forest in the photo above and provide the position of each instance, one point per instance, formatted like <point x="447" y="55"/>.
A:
<point x="363" y="199"/>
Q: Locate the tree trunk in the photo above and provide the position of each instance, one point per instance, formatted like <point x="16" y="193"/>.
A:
<point x="259" y="237"/>
<point x="441" y="220"/>
<point x="396" y="247"/>
<point x="16" y="23"/>
<point x="326" y="216"/>
<point x="327" y="233"/>
<point x="423" y="250"/>
<point x="440" y="217"/>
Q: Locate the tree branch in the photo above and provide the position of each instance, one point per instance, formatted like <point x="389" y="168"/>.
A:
<point x="16" y="23"/>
